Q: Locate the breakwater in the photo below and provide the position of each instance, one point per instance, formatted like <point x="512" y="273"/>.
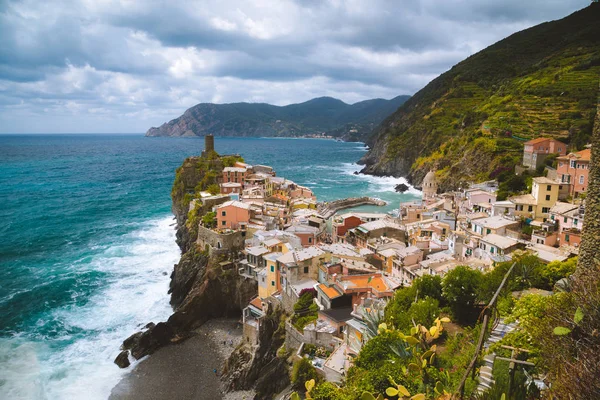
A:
<point x="328" y="209"/>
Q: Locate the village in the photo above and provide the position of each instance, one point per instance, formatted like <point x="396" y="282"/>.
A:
<point x="331" y="270"/>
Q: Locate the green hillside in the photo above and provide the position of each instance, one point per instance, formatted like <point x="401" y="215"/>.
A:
<point x="321" y="115"/>
<point x="471" y="121"/>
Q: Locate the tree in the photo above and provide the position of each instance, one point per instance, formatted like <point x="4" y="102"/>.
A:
<point x="459" y="289"/>
<point x="303" y="371"/>
<point x="209" y="220"/>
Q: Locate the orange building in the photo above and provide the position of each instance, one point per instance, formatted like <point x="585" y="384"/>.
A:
<point x="233" y="215"/>
<point x="234" y="174"/>
<point x="573" y="169"/>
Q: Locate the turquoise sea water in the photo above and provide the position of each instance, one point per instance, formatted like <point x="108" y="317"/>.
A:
<point x="87" y="244"/>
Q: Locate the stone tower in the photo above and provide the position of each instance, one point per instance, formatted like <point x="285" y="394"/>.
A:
<point x="209" y="143"/>
<point x="430" y="186"/>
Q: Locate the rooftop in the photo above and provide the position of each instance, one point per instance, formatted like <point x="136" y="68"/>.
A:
<point x="561" y="207"/>
<point x="234" y="203"/>
<point x="338" y="314"/>
<point x="501" y="242"/>
<point x="329" y="291"/>
<point x="494" y="222"/>
<point x="524" y="199"/>
<point x="257" y="250"/>
<point x="234" y="169"/>
<point x="583" y="155"/>
<point x="542" y="180"/>
<point x="292" y="257"/>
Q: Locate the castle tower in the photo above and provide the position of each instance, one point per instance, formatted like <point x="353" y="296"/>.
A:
<point x="430" y="186"/>
<point x="209" y="143"/>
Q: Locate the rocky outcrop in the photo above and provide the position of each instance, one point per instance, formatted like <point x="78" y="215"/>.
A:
<point x="260" y="368"/>
<point x="201" y="287"/>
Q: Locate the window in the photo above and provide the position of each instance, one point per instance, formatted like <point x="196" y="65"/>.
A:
<point x="572" y="164"/>
<point x="223" y="213"/>
<point x="530" y="209"/>
<point x="309" y="240"/>
<point x="492" y="250"/>
<point x="565" y="220"/>
<point x="488" y="231"/>
<point x="547" y="197"/>
<point x="548" y="188"/>
<point x="306" y="270"/>
<point x="272" y="283"/>
<point x="581" y="178"/>
<point x="545" y="210"/>
<point x="272" y="268"/>
<point x="567" y="237"/>
<point x="575" y="221"/>
<point x="223" y="223"/>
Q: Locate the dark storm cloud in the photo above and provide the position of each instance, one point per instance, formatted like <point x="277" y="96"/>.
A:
<point x="128" y="65"/>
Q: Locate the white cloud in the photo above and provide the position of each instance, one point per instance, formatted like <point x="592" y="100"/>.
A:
<point x="123" y="66"/>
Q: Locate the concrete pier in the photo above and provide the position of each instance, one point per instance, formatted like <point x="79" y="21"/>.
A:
<point x="328" y="209"/>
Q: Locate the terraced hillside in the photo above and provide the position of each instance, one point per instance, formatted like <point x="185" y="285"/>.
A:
<point x="471" y="121"/>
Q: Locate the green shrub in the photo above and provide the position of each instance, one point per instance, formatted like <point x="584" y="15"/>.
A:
<point x="303" y="371"/>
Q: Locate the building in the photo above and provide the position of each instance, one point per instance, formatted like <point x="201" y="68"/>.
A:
<point x="496" y="248"/>
<point x="231" y="188"/>
<point x="498" y="225"/>
<point x="234" y="174"/>
<point x="430" y="186"/>
<point x="573" y="169"/>
<point x="233" y="215"/>
<point x="307" y="234"/>
<point x="536" y="151"/>
<point x="544" y="194"/>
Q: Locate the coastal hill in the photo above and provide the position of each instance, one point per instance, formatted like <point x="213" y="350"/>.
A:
<point x="320" y="115"/>
<point x="471" y="122"/>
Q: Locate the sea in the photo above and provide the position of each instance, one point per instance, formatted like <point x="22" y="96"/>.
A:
<point x="87" y="243"/>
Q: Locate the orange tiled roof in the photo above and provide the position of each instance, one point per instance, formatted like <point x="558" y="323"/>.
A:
<point x="362" y="281"/>
<point x="583" y="155"/>
<point x="256" y="302"/>
<point x="538" y="140"/>
<point x="329" y="291"/>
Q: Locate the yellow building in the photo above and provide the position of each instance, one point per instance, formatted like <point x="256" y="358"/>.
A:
<point x="544" y="194"/>
<point x="269" y="279"/>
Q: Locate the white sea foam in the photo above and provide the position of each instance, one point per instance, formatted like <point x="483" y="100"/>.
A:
<point x="379" y="183"/>
<point x="135" y="293"/>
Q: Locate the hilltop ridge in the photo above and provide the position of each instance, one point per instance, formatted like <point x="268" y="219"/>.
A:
<point x="471" y="121"/>
<point x="319" y="115"/>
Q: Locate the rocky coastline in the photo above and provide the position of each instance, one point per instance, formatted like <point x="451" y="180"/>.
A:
<point x="203" y="288"/>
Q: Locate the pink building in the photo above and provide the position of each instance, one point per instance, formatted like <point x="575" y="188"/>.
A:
<point x="233" y="215"/>
<point x="573" y="169"/>
<point x="536" y="150"/>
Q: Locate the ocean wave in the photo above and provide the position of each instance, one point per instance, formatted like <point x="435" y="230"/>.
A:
<point x="379" y="183"/>
<point x="76" y="360"/>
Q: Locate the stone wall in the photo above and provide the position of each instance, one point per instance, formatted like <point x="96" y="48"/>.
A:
<point x="220" y="243"/>
<point x="294" y="338"/>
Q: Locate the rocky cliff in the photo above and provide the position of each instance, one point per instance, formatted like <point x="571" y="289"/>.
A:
<point x="202" y="287"/>
<point x="471" y="122"/>
<point x="320" y="115"/>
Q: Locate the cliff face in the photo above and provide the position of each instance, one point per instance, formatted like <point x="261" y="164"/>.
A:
<point x="332" y="116"/>
<point x="261" y="369"/>
<point x="202" y="287"/>
<point x="471" y="121"/>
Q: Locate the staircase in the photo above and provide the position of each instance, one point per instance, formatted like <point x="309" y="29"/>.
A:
<point x="485" y="373"/>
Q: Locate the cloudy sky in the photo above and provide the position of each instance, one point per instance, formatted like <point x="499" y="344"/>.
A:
<point x="123" y="66"/>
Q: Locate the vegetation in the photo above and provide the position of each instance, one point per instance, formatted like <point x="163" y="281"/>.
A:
<point x="472" y="120"/>
<point x="324" y="114"/>
<point x="303" y="371"/>
<point x="305" y="310"/>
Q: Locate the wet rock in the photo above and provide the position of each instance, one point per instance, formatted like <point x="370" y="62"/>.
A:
<point x="401" y="188"/>
<point x="122" y="359"/>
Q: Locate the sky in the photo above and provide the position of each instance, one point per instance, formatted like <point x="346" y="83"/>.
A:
<point x="109" y="66"/>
